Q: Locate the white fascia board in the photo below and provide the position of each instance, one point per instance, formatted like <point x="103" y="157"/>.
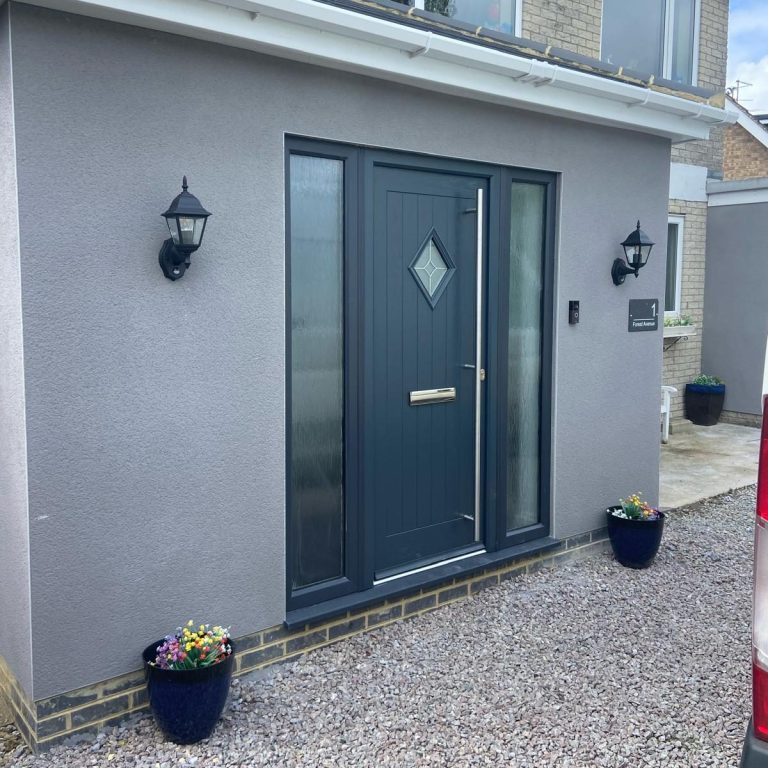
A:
<point x="749" y="124"/>
<point x="313" y="32"/>
<point x="688" y="182"/>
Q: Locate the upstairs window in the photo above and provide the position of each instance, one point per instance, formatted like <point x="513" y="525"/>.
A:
<point x="499" y="15"/>
<point x="654" y="36"/>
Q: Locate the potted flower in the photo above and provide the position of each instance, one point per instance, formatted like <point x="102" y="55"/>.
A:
<point x="188" y="675"/>
<point x="704" y="398"/>
<point x="635" y="528"/>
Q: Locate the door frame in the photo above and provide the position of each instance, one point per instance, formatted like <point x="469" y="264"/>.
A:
<point x="359" y="163"/>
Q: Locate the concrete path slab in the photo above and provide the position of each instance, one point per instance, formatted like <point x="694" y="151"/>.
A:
<point x="706" y="461"/>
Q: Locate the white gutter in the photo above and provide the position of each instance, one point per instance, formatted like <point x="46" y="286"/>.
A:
<point x="327" y="35"/>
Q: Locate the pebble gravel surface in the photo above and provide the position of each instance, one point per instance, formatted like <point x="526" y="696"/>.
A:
<point x="584" y="666"/>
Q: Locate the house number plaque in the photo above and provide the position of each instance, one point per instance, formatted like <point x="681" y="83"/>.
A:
<point x="643" y="315"/>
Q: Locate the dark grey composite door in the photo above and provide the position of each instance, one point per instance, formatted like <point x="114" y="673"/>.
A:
<point x="420" y="301"/>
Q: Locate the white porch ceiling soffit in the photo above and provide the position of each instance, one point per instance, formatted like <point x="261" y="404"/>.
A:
<point x="328" y="35"/>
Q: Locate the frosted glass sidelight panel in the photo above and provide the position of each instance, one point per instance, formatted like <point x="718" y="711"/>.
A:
<point x="317" y="368"/>
<point x="526" y="287"/>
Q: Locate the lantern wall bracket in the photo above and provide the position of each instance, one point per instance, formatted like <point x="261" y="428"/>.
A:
<point x="620" y="270"/>
<point x="173" y="263"/>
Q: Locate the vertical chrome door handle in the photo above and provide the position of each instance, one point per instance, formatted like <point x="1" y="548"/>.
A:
<point x="479" y="372"/>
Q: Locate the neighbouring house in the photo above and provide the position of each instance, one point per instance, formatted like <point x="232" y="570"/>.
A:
<point x="736" y="312"/>
<point x="745" y="150"/>
<point x="397" y="369"/>
<point x="693" y="164"/>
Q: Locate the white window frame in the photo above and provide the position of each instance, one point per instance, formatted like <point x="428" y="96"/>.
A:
<point x="669" y="34"/>
<point x="680" y="222"/>
<point x="518" y="14"/>
<point x="666" y="54"/>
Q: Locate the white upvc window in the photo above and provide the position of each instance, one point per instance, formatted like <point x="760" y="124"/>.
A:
<point x="660" y="37"/>
<point x="500" y="15"/>
<point x="675" y="235"/>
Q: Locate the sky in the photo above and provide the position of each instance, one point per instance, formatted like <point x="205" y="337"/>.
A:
<point x="748" y="52"/>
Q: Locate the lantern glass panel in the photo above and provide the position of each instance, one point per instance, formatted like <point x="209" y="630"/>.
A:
<point x="199" y="228"/>
<point x="187" y="230"/>
<point x="645" y="253"/>
<point x="173" y="229"/>
<point x="632" y="253"/>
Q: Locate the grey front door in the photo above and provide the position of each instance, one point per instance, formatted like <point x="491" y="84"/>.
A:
<point x="421" y="352"/>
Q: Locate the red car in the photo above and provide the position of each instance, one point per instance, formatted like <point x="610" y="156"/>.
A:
<point x="755" y="752"/>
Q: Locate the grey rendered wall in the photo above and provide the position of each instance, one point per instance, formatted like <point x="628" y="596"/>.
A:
<point x="155" y="410"/>
<point x="15" y="629"/>
<point x="735" y="315"/>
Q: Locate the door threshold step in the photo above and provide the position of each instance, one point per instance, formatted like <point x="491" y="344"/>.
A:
<point x="437" y="564"/>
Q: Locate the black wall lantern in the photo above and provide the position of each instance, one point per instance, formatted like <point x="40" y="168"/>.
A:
<point x="186" y="222"/>
<point x="637" y="249"/>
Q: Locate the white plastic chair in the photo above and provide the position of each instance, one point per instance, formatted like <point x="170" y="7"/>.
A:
<point x="666" y="394"/>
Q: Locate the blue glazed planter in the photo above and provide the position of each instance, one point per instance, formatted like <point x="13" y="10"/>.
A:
<point x="704" y="403"/>
<point x="634" y="542"/>
<point x="187" y="703"/>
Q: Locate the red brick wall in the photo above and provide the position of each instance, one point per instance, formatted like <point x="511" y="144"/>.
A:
<point x="744" y="156"/>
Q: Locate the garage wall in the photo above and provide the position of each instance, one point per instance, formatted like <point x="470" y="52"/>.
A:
<point x="735" y="315"/>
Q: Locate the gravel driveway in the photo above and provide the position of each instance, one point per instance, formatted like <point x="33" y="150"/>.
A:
<point x="589" y="665"/>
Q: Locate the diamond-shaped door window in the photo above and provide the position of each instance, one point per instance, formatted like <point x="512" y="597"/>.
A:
<point x="432" y="268"/>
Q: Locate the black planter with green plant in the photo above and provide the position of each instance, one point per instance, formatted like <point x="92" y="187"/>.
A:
<point x="704" y="398"/>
